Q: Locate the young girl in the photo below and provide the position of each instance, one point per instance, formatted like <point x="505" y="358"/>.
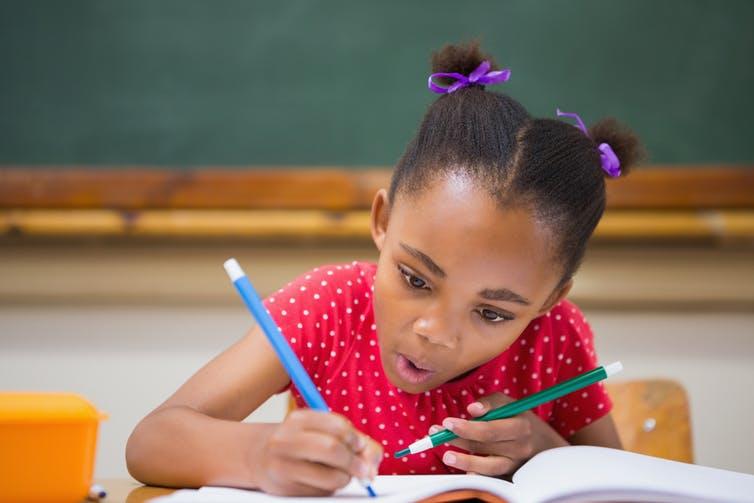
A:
<point x="479" y="235"/>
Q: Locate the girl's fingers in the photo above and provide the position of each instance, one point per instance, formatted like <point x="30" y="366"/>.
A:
<point x="330" y="423"/>
<point x="513" y="449"/>
<point x="489" y="431"/>
<point x="365" y="454"/>
<point x="483" y="465"/>
<point x="280" y="482"/>
<point x="477" y="447"/>
<point x="318" y="477"/>
<point x="371" y="454"/>
<point x="290" y="488"/>
<point x="503" y="437"/>
<point x="314" y="453"/>
<point x="434" y="429"/>
<point x="314" y="446"/>
<point x="487" y="403"/>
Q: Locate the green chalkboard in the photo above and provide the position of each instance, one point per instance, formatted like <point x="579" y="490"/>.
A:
<point x="304" y="82"/>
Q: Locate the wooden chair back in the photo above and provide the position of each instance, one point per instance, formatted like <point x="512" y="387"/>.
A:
<point x="652" y="417"/>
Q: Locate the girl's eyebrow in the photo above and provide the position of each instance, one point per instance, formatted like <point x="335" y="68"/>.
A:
<point x="501" y="294"/>
<point x="428" y="262"/>
<point x="504" y="295"/>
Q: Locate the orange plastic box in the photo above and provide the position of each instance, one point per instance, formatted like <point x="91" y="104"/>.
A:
<point x="47" y="445"/>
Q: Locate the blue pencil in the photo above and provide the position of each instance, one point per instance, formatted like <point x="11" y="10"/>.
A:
<point x="292" y="365"/>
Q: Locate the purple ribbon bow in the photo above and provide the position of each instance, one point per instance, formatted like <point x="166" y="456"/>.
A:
<point x="610" y="161"/>
<point x="480" y="76"/>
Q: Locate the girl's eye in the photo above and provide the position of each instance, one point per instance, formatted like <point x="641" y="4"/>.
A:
<point x="493" y="316"/>
<point x="412" y="280"/>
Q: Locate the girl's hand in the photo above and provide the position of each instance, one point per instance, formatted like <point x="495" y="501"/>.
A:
<point x="497" y="447"/>
<point x="313" y="453"/>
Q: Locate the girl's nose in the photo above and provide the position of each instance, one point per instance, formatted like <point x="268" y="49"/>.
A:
<point x="436" y="330"/>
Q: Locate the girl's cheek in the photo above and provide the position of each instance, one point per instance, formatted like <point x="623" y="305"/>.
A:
<point x="388" y="291"/>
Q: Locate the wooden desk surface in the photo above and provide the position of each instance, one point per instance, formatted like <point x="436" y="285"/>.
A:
<point x="129" y="491"/>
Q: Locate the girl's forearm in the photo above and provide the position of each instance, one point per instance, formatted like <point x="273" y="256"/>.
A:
<point x="181" y="447"/>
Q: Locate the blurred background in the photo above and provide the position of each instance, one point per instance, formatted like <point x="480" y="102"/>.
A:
<point x="144" y="142"/>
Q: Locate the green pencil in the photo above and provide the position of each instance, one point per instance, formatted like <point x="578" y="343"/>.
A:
<point x="519" y="406"/>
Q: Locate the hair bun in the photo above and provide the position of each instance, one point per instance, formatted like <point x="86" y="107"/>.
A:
<point x="622" y="140"/>
<point x="459" y="58"/>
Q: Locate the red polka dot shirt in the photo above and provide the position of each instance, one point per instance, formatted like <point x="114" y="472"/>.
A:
<point x="328" y="318"/>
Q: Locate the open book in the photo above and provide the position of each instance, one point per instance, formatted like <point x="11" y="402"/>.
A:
<point x="565" y="474"/>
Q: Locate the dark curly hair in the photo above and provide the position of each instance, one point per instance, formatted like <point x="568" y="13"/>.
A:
<point x="546" y="165"/>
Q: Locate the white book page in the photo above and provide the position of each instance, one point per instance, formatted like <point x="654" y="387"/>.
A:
<point x="564" y="473"/>
<point x="389" y="489"/>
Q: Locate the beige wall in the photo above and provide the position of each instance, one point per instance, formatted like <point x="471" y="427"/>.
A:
<point x="124" y="323"/>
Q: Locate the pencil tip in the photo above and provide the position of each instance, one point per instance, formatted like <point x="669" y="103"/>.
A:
<point x="400" y="454"/>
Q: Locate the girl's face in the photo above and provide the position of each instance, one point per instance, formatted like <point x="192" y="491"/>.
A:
<point x="458" y="280"/>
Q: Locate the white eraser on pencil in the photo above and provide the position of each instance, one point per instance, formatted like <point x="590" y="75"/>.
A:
<point x="613" y="368"/>
<point x="233" y="268"/>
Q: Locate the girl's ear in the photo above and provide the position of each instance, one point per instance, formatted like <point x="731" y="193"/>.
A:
<point x="379" y="218"/>
<point x="556" y="296"/>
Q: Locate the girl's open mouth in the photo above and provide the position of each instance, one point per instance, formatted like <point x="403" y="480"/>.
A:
<point x="410" y="371"/>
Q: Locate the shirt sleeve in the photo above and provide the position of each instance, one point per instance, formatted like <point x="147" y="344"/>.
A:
<point x="580" y="408"/>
